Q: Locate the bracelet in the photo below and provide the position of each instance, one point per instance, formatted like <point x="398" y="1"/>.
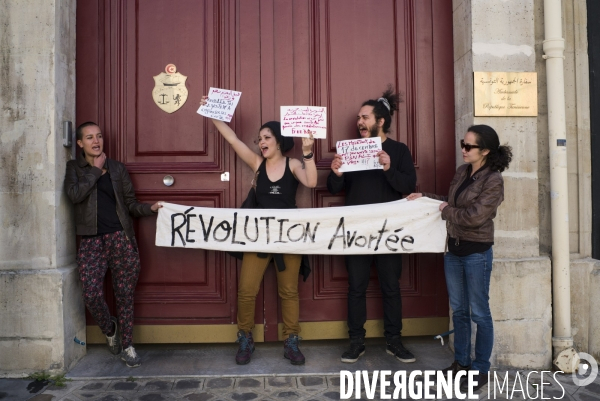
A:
<point x="308" y="156"/>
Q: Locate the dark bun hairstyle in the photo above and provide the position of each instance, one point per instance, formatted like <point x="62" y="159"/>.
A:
<point x="500" y="156"/>
<point x="385" y="106"/>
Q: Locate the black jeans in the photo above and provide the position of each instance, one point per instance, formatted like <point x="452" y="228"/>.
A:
<point x="389" y="268"/>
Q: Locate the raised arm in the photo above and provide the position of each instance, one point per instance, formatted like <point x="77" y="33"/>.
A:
<point x="249" y="157"/>
<point x="306" y="172"/>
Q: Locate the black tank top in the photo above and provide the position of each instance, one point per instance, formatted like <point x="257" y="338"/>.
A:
<point x="280" y="194"/>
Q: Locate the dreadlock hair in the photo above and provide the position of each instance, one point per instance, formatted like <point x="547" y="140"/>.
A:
<point x="486" y="137"/>
<point x="380" y="109"/>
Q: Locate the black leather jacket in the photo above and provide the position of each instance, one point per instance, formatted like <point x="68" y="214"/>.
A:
<point x="81" y="188"/>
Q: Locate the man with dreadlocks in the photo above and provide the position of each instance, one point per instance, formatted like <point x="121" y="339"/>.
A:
<point x="397" y="177"/>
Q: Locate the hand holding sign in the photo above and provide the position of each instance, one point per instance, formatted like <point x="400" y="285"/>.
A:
<point x="360" y="154"/>
<point x="219" y="104"/>
<point x="308" y="142"/>
<point x="303" y="120"/>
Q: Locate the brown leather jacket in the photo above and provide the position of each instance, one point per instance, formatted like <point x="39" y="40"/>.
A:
<point x="471" y="217"/>
<point x="81" y="188"/>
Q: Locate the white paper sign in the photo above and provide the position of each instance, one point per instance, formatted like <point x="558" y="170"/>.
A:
<point x="298" y="120"/>
<point x="359" y="154"/>
<point x="221" y="104"/>
<point x="393" y="227"/>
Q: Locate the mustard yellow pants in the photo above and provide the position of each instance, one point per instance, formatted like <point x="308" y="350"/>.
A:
<point x="253" y="270"/>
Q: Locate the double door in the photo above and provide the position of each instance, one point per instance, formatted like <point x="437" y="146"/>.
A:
<point x="333" y="53"/>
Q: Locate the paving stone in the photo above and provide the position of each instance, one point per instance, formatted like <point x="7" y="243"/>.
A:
<point x="312" y="381"/>
<point x="157" y="385"/>
<point x="332" y="395"/>
<point x="124" y="386"/>
<point x="95" y="385"/>
<point x="86" y="395"/>
<point x="60" y="392"/>
<point x="69" y="397"/>
<point x="333" y="381"/>
<point x="199" y="397"/>
<point x="585" y="396"/>
<point x="220" y="382"/>
<point x="288" y="395"/>
<point x="250" y="383"/>
<point x="110" y="397"/>
<point x="154" y="396"/>
<point x="41" y="397"/>
<point x="282" y="381"/>
<point x="244" y="396"/>
<point x="593" y="388"/>
<point x="187" y="384"/>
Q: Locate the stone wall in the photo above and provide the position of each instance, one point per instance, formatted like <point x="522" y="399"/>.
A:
<point x="501" y="36"/>
<point x="40" y="298"/>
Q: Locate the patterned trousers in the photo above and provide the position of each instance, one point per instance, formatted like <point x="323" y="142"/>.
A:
<point x="95" y="256"/>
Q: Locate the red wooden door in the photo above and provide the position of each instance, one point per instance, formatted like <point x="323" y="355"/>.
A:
<point x="339" y="53"/>
<point x="335" y="53"/>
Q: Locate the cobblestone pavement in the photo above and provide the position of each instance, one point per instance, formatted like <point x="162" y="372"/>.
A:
<point x="207" y="372"/>
<point x="519" y="385"/>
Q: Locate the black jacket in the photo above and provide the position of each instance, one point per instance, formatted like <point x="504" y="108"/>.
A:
<point x="81" y="188"/>
<point x="377" y="186"/>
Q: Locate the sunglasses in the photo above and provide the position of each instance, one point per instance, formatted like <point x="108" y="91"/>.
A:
<point x="467" y="146"/>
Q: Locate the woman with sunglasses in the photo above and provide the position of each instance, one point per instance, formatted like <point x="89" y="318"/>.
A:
<point x="277" y="178"/>
<point x="475" y="193"/>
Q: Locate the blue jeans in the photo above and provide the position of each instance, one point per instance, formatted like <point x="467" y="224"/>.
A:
<point x="468" y="281"/>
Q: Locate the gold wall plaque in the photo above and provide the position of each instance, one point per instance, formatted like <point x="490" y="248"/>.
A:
<point x="169" y="91"/>
<point x="505" y="94"/>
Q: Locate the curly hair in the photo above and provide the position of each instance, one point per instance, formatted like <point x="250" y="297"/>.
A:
<point x="486" y="137"/>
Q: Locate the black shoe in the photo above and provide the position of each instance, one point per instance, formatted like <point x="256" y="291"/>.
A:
<point x="395" y="347"/>
<point x="455" y="368"/>
<point x="356" y="350"/>
<point x="481" y="378"/>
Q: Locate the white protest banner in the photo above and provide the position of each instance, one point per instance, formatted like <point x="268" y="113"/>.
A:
<point x="393" y="227"/>
<point x="221" y="104"/>
<point x="298" y="120"/>
<point x="359" y="154"/>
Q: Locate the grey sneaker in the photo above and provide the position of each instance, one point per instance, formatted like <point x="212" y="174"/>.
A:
<point x="130" y="357"/>
<point x="114" y="342"/>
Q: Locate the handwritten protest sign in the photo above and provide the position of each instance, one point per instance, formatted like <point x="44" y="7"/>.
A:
<point x="298" y="120"/>
<point x="393" y="227"/>
<point x="359" y="154"/>
<point x="221" y="104"/>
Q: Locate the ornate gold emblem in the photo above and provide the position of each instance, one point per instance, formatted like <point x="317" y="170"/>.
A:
<point x="169" y="91"/>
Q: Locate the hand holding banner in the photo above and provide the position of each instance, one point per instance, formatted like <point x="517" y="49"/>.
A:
<point x="300" y="120"/>
<point x="359" y="154"/>
<point x="220" y="104"/>
<point x="393" y="227"/>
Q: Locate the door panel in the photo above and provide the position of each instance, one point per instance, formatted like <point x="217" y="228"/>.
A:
<point x="335" y="53"/>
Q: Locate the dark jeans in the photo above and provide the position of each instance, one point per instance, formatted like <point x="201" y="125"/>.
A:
<point x="389" y="268"/>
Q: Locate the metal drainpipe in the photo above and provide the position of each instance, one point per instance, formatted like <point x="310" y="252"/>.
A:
<point x="553" y="46"/>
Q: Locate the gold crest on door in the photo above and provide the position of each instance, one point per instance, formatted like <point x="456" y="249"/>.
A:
<point x="169" y="91"/>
